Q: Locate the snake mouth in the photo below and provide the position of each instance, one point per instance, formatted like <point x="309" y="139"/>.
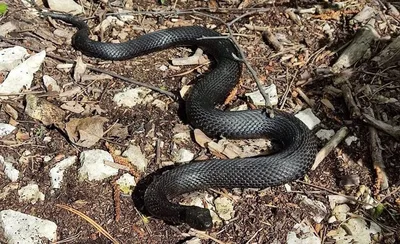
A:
<point x="198" y="218"/>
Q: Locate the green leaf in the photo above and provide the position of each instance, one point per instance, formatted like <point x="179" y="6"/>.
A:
<point x="3" y="8"/>
<point x="163" y="2"/>
<point x="378" y="210"/>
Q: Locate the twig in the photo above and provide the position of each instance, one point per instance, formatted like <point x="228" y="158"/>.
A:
<point x="351" y="198"/>
<point x="254" y="236"/>
<point x="117" y="199"/>
<point x="332" y="143"/>
<point x="92" y="68"/>
<point x="305" y="97"/>
<point x="389" y="129"/>
<point x="91" y="221"/>
<point x="376" y="156"/>
<point x="350" y="102"/>
<point x="190" y="11"/>
<point x="203" y="235"/>
<point x="271" y="38"/>
<point x="355" y="51"/>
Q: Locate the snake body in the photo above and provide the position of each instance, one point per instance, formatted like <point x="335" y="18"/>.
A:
<point x="298" y="146"/>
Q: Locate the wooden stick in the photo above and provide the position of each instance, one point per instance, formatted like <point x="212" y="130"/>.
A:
<point x="389" y="129"/>
<point x="332" y="143"/>
<point x="350" y="102"/>
<point x="376" y="155"/>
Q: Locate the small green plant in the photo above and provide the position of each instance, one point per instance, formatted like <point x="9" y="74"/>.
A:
<point x="3" y="8"/>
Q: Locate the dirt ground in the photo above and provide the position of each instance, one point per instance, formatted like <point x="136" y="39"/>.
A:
<point x="255" y="221"/>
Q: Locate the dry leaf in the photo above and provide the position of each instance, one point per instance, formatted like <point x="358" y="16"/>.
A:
<point x="44" y="111"/>
<point x="22" y="136"/>
<point x="218" y="150"/>
<point x="87" y="131"/>
<point x="213" y="5"/>
<point x="119" y="131"/>
<point x="79" y="69"/>
<point x="244" y="4"/>
<point x="327" y="103"/>
<point x="11" y="111"/>
<point x="73" y="107"/>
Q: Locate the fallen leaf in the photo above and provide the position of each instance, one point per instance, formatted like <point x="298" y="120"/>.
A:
<point x="44" y="111"/>
<point x="11" y="111"/>
<point x="73" y="106"/>
<point x="79" y="70"/>
<point x="119" y="131"/>
<point x="22" y="136"/>
<point x="87" y="131"/>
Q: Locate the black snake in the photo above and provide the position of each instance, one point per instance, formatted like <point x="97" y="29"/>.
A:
<point x="296" y="141"/>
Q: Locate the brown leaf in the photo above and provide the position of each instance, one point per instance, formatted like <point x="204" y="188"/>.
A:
<point x="11" y="111"/>
<point x="87" y="131"/>
<point x="79" y="69"/>
<point x="119" y="131"/>
<point x="44" y="111"/>
<point x="22" y="136"/>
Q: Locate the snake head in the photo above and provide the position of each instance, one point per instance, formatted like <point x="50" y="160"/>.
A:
<point x="198" y="218"/>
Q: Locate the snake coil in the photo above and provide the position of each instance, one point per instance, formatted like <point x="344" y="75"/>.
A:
<point x="297" y="143"/>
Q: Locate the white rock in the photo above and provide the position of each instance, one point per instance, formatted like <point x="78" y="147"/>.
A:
<point x="126" y="183"/>
<point x="316" y="208"/>
<point x="182" y="156"/>
<point x="125" y="15"/>
<point x="224" y="207"/>
<point x="50" y="84"/>
<point x="22" y="228"/>
<point x="302" y="233"/>
<point x="11" y="57"/>
<point x="163" y="68"/>
<point x="258" y="99"/>
<point x="21" y="76"/>
<point x="30" y="193"/>
<point x="136" y="157"/>
<point x="308" y="118"/>
<point x="6" y="129"/>
<point x="355" y="230"/>
<point x="194" y="240"/>
<point x="336" y="199"/>
<point x="7" y="28"/>
<point x="340" y="212"/>
<point x="350" y="139"/>
<point x="47" y="139"/>
<point x="9" y="170"/>
<point x="240" y="108"/>
<point x="325" y="134"/>
<point x="57" y="172"/>
<point x="47" y="158"/>
<point x="8" y="189"/>
<point x="131" y="97"/>
<point x="68" y="6"/>
<point x="108" y="21"/>
<point x="332" y="219"/>
<point x="93" y="167"/>
<point x="160" y="104"/>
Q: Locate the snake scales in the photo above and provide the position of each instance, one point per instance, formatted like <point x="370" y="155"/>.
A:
<point x="298" y="146"/>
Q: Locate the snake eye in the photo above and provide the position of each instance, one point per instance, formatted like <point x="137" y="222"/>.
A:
<point x="198" y="218"/>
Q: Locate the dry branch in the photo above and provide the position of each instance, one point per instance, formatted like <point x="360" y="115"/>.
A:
<point x="350" y="102"/>
<point x="389" y="129"/>
<point x="358" y="47"/>
<point x="332" y="143"/>
<point x="271" y="39"/>
<point x="390" y="55"/>
<point x="376" y="156"/>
